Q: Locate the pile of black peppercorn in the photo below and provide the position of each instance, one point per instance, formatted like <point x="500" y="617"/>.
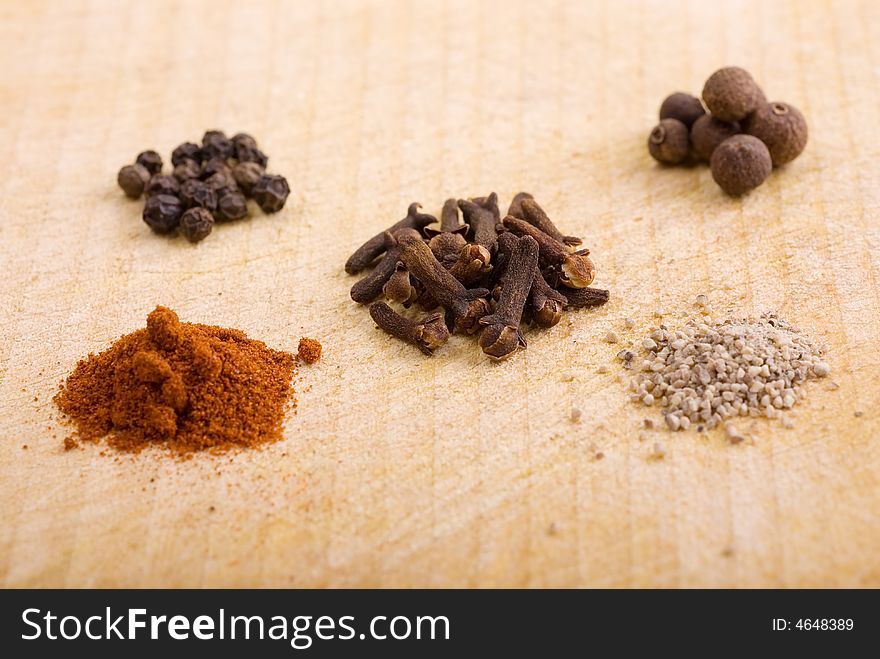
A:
<point x="489" y="275"/>
<point x="742" y="136"/>
<point x="210" y="183"/>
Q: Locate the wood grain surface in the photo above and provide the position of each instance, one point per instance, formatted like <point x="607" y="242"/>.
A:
<point x="401" y="470"/>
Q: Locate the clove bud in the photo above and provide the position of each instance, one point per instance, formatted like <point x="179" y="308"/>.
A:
<point x="427" y="334"/>
<point x="464" y="307"/>
<point x="501" y="335"/>
<point x="574" y="270"/>
<point x="367" y="253"/>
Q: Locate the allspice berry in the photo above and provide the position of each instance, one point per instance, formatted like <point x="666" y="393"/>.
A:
<point x="781" y="127"/>
<point x="668" y="142"/>
<point x="731" y="93"/>
<point x="708" y="132"/>
<point x="162" y="212"/>
<point x="740" y="163"/>
<point x="270" y="192"/>
<point x="684" y="107"/>
<point x="151" y="160"/>
<point x="196" y="224"/>
<point x="133" y="179"/>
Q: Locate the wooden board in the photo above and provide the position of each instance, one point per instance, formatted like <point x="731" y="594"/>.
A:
<point x="400" y="470"/>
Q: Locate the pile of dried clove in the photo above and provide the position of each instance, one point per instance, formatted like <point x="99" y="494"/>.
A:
<point x="743" y="137"/>
<point x="210" y="183"/>
<point x="488" y="274"/>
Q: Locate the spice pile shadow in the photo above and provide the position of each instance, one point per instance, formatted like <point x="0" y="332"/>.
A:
<point x="210" y="183"/>
<point x="742" y="137"/>
<point x="182" y="386"/>
<point x="489" y="275"/>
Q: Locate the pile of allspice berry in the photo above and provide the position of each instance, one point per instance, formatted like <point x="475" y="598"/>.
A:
<point x="489" y="275"/>
<point x="742" y="136"/>
<point x="210" y="183"/>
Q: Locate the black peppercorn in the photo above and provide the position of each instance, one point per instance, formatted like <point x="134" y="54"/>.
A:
<point x="740" y="163"/>
<point x="781" y="127"/>
<point x="198" y="193"/>
<point x="270" y="192"/>
<point x="684" y="107"/>
<point x="246" y="174"/>
<point x="162" y="212"/>
<point x="222" y="182"/>
<point x="252" y="155"/>
<point x="186" y="170"/>
<point x="246" y="150"/>
<point x="133" y="179"/>
<point x="731" y="93"/>
<point x="708" y="132"/>
<point x="151" y="160"/>
<point x="231" y="206"/>
<point x="162" y="184"/>
<point x="213" y="166"/>
<point x="215" y="144"/>
<point x="196" y="224"/>
<point x="186" y="151"/>
<point x="243" y="140"/>
<point x="668" y="142"/>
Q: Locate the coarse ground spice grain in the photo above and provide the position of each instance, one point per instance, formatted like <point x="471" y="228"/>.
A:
<point x="706" y="374"/>
<point x="309" y="350"/>
<point x="181" y="386"/>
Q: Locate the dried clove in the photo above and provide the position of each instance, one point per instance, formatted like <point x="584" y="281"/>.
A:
<point x="545" y="304"/>
<point x="482" y="222"/>
<point x="584" y="297"/>
<point x="368" y="288"/>
<point x="367" y="253"/>
<point x="501" y="334"/>
<point x="398" y="288"/>
<point x="574" y="270"/>
<point x="448" y="242"/>
<point x="490" y="203"/>
<point x="515" y="208"/>
<point x="464" y="307"/>
<point x="427" y="334"/>
<point x="535" y="215"/>
<point x="472" y="263"/>
<point x="528" y="274"/>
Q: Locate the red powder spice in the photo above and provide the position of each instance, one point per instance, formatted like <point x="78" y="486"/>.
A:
<point x="183" y="386"/>
<point x="309" y="350"/>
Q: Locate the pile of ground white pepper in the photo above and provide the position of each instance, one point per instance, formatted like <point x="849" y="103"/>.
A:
<point x="709" y="373"/>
